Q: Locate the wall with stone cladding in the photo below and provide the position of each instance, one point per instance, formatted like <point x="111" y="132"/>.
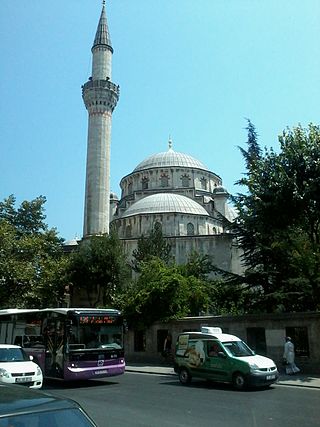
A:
<point x="275" y="331"/>
<point x="221" y="247"/>
<point x="172" y="225"/>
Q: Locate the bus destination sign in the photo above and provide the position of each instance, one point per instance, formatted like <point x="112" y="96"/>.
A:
<point x="97" y="320"/>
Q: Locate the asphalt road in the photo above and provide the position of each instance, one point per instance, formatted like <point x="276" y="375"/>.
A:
<point x="136" y="399"/>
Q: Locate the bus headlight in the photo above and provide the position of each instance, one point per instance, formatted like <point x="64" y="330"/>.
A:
<point x="4" y="373"/>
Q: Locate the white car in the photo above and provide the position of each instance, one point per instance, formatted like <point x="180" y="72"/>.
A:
<point x="17" y="367"/>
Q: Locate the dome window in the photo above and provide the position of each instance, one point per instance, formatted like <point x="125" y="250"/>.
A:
<point x="128" y="231"/>
<point x="145" y="183"/>
<point x="158" y="226"/>
<point x="185" y="180"/>
<point x="130" y="188"/>
<point x="190" y="229"/>
<point x="164" y="180"/>
<point x="203" y="182"/>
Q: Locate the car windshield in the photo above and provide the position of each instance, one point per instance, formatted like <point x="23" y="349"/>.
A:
<point x="238" y="349"/>
<point x="13" y="355"/>
<point x="71" y="417"/>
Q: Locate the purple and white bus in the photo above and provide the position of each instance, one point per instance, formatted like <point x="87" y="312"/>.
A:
<point x="68" y="343"/>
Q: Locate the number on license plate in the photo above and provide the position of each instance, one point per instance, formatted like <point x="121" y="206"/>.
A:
<point x="271" y="377"/>
<point x="101" y="372"/>
<point x="23" y="379"/>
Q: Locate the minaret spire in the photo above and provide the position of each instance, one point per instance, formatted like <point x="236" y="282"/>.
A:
<point x="102" y="34"/>
<point x="100" y="96"/>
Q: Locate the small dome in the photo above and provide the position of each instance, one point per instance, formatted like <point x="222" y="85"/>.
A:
<point x="113" y="196"/>
<point x="165" y="203"/>
<point x="72" y="242"/>
<point x="168" y="159"/>
<point x="220" y="189"/>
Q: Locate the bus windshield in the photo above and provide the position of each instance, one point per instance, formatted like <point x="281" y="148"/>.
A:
<point x="238" y="349"/>
<point x="96" y="331"/>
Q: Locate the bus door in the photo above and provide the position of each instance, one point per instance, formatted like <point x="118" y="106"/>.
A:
<point x="53" y="333"/>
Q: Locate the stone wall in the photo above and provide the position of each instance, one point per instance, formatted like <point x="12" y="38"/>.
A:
<point x="265" y="333"/>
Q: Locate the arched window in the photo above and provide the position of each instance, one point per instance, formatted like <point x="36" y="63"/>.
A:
<point x="130" y="188"/>
<point x="203" y="182"/>
<point x="157" y="226"/>
<point x="164" y="180"/>
<point x="128" y="231"/>
<point x="214" y="230"/>
<point x="190" y="229"/>
<point x="185" y="180"/>
<point x="145" y="183"/>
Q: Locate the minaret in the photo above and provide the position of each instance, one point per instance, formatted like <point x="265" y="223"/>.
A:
<point x="100" y="96"/>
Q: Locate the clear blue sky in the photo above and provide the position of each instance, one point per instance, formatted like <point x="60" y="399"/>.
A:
<point x="192" y="69"/>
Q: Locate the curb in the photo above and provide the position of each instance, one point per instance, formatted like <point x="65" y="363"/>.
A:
<point x="313" y="383"/>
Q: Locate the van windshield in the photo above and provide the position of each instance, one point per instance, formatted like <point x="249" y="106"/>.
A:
<point x="238" y="349"/>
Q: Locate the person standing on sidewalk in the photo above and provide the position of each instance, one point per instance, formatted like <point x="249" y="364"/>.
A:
<point x="288" y="357"/>
<point x="167" y="348"/>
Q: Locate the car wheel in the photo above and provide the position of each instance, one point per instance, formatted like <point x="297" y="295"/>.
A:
<point x="238" y="381"/>
<point x="184" y="376"/>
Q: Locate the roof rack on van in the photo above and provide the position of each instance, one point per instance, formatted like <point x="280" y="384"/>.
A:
<point x="211" y="330"/>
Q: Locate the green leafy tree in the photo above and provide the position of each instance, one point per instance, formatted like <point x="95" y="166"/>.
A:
<point x="278" y="222"/>
<point x="154" y="245"/>
<point x="198" y="265"/>
<point x="100" y="269"/>
<point x="31" y="256"/>
<point x="162" y="293"/>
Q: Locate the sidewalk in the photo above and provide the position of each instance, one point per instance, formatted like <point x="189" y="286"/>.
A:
<point x="303" y="380"/>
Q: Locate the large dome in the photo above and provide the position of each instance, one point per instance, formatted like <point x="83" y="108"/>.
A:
<point x="165" y="203"/>
<point x="170" y="158"/>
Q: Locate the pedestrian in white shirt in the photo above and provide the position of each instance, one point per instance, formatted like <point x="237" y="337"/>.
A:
<point x="289" y="356"/>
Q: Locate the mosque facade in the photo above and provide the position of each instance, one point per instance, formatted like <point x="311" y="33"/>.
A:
<point x="169" y="190"/>
<point x="179" y="194"/>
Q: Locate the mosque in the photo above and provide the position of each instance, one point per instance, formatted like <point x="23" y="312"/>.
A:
<point x="170" y="190"/>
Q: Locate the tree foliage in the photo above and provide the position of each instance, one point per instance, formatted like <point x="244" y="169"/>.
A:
<point x="154" y="245"/>
<point x="32" y="264"/>
<point x="198" y="265"/>
<point x="161" y="293"/>
<point x="99" y="268"/>
<point x="278" y="222"/>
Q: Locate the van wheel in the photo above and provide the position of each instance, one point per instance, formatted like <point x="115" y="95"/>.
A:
<point x="184" y="376"/>
<point x="238" y="381"/>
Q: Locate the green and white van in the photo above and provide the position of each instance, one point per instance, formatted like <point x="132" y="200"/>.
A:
<point x="216" y="356"/>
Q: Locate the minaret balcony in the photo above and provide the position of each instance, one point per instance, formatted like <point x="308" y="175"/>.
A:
<point x="101" y="84"/>
<point x="100" y="94"/>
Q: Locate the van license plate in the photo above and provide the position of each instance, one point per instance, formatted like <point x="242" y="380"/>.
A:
<point x="271" y="377"/>
<point x="23" y="379"/>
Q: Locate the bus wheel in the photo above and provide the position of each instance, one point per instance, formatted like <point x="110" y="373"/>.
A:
<point x="184" y="376"/>
<point x="238" y="381"/>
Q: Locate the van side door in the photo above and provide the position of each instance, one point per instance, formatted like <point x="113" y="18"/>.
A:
<point x="217" y="361"/>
